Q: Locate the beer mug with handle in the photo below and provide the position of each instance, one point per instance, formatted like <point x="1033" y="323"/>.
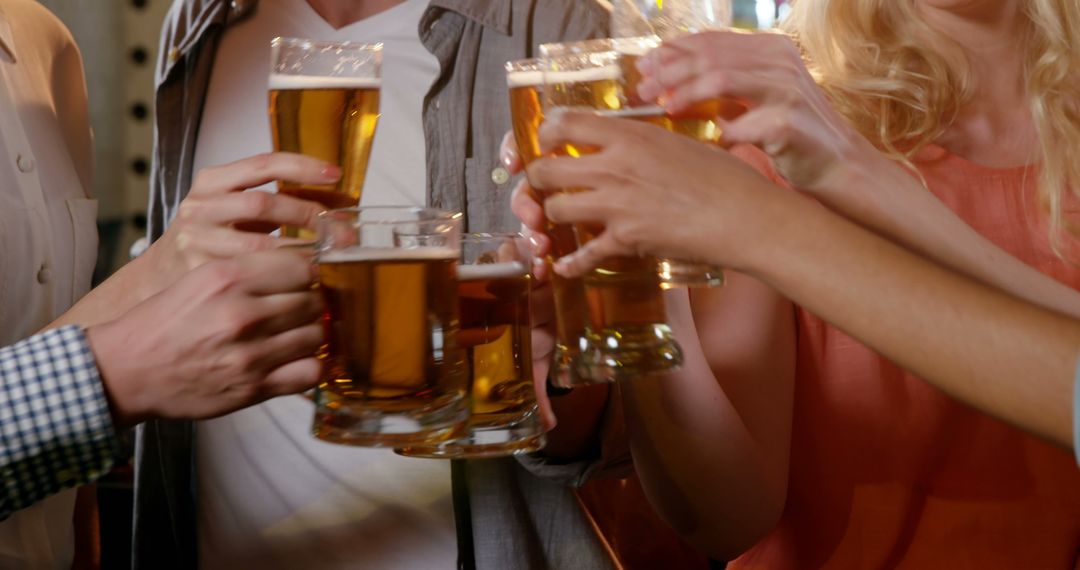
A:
<point x="394" y="373"/>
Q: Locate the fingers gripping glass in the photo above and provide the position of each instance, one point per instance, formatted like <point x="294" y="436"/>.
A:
<point x="625" y="332"/>
<point x="623" y="54"/>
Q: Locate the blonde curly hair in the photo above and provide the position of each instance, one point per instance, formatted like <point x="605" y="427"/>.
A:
<point x="901" y="83"/>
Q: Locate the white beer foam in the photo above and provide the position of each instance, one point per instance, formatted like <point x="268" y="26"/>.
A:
<point x="583" y="75"/>
<point x="491" y="271"/>
<point x="524" y="79"/>
<point x="282" y="82"/>
<point x="635" y="48"/>
<point x="354" y="254"/>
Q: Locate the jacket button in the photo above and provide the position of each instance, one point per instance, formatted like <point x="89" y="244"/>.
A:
<point x="25" y="163"/>
<point x="174" y="55"/>
<point x="500" y="176"/>
<point x="44" y="275"/>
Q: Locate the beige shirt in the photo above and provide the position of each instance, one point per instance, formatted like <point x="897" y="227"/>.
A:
<point x="47" y="223"/>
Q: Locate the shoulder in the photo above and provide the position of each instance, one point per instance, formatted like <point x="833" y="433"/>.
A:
<point x="36" y="27"/>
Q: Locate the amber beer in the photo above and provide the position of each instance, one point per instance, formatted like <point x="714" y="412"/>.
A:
<point x="524" y="79"/>
<point x="391" y="325"/>
<point x="494" y="334"/>
<point x="329" y="118"/>
<point x="700" y="122"/>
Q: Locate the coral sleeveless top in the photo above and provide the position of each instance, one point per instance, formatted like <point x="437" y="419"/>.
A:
<point x="888" y="472"/>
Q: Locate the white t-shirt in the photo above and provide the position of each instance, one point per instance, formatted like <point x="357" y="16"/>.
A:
<point x="270" y="494"/>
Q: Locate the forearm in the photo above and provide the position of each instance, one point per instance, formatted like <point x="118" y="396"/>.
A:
<point x="130" y="285"/>
<point x="993" y="351"/>
<point x="889" y="201"/>
<point x="57" y="429"/>
<point x="711" y="462"/>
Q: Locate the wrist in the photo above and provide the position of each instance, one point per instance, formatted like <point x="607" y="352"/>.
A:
<point x="748" y="244"/>
<point x="120" y="381"/>
<point x="847" y="180"/>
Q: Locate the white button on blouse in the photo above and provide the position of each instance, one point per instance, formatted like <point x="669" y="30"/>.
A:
<point x="25" y="164"/>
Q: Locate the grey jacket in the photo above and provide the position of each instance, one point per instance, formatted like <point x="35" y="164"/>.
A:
<point x="507" y="516"/>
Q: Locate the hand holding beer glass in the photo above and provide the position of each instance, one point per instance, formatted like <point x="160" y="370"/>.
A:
<point x="524" y="80"/>
<point x="493" y="285"/>
<point x="395" y="374"/>
<point x="626" y="333"/>
<point x="665" y="20"/>
<point x="700" y="124"/>
<point x="324" y="103"/>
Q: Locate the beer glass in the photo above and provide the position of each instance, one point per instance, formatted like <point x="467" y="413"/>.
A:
<point x="668" y="18"/>
<point x="493" y="284"/>
<point x="394" y="373"/>
<point x="524" y="79"/>
<point x="324" y="103"/>
<point x="626" y="334"/>
<point x="701" y="124"/>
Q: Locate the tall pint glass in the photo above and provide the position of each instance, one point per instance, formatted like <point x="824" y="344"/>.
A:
<point x="324" y="103"/>
<point x="626" y="333"/>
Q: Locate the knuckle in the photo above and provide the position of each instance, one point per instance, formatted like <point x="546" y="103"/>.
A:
<point x="189" y="210"/>
<point x="539" y="173"/>
<point x="202" y="179"/>
<point x="256" y="205"/>
<point x="785" y="125"/>
<point x="223" y="275"/>
<point x="236" y="320"/>
<point x="623" y="236"/>
<point x="252" y="243"/>
<point x="251" y="391"/>
<point x="262" y="162"/>
<point x="244" y="360"/>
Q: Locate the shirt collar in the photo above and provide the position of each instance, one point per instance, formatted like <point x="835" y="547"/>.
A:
<point x="7" y="42"/>
<point x="490" y="13"/>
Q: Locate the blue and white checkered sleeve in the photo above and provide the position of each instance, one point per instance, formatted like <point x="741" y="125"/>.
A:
<point x="55" y="427"/>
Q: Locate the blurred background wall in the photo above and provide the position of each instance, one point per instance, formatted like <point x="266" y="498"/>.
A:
<point x="119" y="41"/>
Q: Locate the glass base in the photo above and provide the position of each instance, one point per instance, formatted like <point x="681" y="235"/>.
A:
<point x="674" y="274"/>
<point x="566" y="371"/>
<point x="628" y="352"/>
<point x="525" y="436"/>
<point x="349" y="422"/>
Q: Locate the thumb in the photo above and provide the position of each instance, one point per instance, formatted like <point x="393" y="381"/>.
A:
<point x="591" y="255"/>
